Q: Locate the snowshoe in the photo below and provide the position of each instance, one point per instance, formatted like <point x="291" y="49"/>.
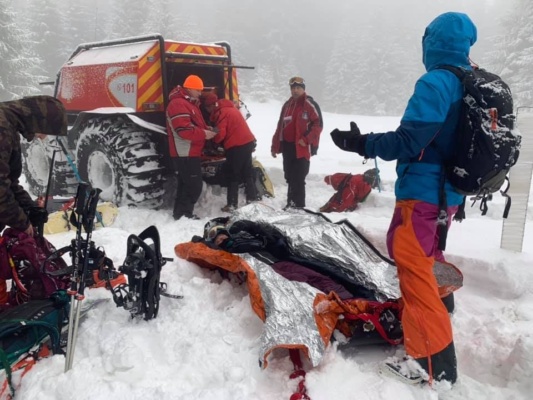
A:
<point x="407" y="371"/>
<point x="142" y="266"/>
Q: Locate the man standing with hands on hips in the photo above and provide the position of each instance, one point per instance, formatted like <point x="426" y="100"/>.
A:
<point x="296" y="138"/>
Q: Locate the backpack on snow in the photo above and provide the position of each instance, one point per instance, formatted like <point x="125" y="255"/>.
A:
<point x="486" y="144"/>
<point x="25" y="259"/>
<point x="29" y="332"/>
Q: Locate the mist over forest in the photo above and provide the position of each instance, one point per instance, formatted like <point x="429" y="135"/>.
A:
<point x="357" y="57"/>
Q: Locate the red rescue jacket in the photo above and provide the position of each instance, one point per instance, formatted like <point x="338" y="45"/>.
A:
<point x="232" y="127"/>
<point x="351" y="190"/>
<point x="303" y="116"/>
<point x="185" y="125"/>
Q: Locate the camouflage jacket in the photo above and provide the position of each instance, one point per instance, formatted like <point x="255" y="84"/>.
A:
<point x="26" y="117"/>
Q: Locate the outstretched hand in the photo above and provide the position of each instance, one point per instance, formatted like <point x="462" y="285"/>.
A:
<point x="351" y="140"/>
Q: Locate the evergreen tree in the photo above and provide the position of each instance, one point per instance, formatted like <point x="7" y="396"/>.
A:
<point x="18" y="60"/>
<point x="170" y="19"/>
<point x="519" y="57"/>
<point x="263" y="84"/>
<point x="126" y="20"/>
<point x="342" y="70"/>
<point x="84" y="23"/>
<point x="48" y="21"/>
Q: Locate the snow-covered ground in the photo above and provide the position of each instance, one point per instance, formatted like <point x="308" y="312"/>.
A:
<point x="206" y="346"/>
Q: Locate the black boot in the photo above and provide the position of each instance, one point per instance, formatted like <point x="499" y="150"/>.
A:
<point x="443" y="364"/>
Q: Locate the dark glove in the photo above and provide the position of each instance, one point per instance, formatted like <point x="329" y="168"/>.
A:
<point x="351" y="140"/>
<point x="38" y="216"/>
<point x="197" y="239"/>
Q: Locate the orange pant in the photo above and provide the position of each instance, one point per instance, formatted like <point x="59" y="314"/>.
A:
<point x="411" y="239"/>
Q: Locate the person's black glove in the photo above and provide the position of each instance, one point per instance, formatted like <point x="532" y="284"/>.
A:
<point x="351" y="140"/>
<point x="197" y="239"/>
<point x="38" y="216"/>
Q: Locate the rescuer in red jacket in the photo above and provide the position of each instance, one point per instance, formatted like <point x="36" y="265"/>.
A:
<point x="351" y="190"/>
<point x="187" y="133"/>
<point x="239" y="143"/>
<point x="296" y="138"/>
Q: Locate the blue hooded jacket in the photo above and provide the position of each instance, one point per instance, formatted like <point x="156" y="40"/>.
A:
<point x="431" y="114"/>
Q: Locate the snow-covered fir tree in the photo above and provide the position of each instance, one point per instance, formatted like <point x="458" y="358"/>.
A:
<point x="19" y="62"/>
<point x="519" y="52"/>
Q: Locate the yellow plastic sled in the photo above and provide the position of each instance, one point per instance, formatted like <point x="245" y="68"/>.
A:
<point x="262" y="180"/>
<point x="59" y="221"/>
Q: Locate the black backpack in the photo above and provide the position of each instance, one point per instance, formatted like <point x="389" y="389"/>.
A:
<point x="486" y="144"/>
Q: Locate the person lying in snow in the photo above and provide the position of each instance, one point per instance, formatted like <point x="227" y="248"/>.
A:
<point x="306" y="315"/>
<point x="264" y="241"/>
<point x="351" y="190"/>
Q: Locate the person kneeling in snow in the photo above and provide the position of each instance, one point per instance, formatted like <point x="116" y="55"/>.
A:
<point x="351" y="190"/>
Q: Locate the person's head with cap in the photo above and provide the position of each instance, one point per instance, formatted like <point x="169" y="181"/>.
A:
<point x="297" y="85"/>
<point x="194" y="85"/>
<point x="210" y="102"/>
<point x="371" y="176"/>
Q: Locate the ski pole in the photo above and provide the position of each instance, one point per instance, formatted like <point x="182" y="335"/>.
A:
<point x="88" y="224"/>
<point x="76" y="249"/>
<point x="379" y="177"/>
<point x="40" y="227"/>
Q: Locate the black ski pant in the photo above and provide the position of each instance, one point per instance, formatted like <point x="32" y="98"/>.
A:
<point x="295" y="171"/>
<point x="239" y="169"/>
<point x="189" y="175"/>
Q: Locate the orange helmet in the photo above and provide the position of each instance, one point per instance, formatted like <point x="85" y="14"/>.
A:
<point x="193" y="82"/>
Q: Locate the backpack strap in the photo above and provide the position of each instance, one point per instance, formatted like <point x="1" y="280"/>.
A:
<point x="507" y="198"/>
<point x="442" y="219"/>
<point x="373" y="317"/>
<point x="459" y="72"/>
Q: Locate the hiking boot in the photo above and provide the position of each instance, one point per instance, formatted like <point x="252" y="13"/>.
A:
<point x="406" y="370"/>
<point x="192" y="216"/>
<point x="228" y="208"/>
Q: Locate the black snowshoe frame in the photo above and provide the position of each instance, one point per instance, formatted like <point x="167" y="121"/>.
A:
<point x="142" y="266"/>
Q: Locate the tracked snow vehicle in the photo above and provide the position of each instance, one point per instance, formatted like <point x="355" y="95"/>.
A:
<point x="116" y="93"/>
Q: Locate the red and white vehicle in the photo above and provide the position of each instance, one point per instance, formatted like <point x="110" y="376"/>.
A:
<point x="116" y="93"/>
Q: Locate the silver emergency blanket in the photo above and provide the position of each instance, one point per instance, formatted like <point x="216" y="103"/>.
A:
<point x="290" y="317"/>
<point x="289" y="312"/>
<point x="314" y="238"/>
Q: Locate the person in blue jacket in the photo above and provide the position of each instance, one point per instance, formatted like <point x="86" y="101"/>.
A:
<point x="423" y="140"/>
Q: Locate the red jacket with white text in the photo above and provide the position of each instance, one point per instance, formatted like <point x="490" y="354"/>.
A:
<point x="303" y="117"/>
